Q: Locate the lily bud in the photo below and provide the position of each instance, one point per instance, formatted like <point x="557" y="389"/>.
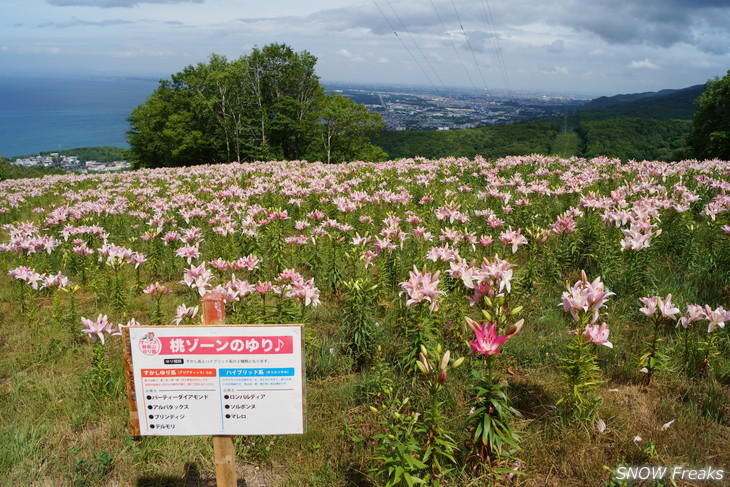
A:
<point x="423" y="361"/>
<point x="457" y="362"/>
<point x="442" y="377"/>
<point x="517" y="310"/>
<point x="515" y="329"/>
<point x="445" y="360"/>
<point x="472" y="324"/>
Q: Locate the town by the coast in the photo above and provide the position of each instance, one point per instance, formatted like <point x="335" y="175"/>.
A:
<point x="70" y="163"/>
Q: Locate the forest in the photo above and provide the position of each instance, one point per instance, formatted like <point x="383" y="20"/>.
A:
<point x="623" y="138"/>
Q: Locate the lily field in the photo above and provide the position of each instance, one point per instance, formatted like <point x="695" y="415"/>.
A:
<point x="530" y="321"/>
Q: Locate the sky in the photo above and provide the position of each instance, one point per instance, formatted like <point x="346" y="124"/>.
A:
<point x="582" y="47"/>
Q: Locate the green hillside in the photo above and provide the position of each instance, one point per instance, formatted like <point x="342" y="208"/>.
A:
<point x="644" y="126"/>
<point x="633" y="138"/>
<point x="11" y="171"/>
<point x="489" y="141"/>
<point x="662" y="105"/>
<point x="99" y="154"/>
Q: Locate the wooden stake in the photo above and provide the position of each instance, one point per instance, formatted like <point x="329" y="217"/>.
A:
<point x="225" y="461"/>
<point x="214" y="312"/>
<point x="129" y="376"/>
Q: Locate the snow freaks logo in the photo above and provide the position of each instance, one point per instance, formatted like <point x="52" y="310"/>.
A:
<point x="672" y="473"/>
<point x="150" y="344"/>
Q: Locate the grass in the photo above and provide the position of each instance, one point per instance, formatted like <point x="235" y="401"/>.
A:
<point x="54" y="432"/>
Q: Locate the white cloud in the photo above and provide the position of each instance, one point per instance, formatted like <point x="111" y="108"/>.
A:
<point x="645" y="64"/>
<point x="38" y="49"/>
<point x="113" y="3"/>
<point x="352" y="57"/>
<point x="142" y="53"/>
<point x="555" y="71"/>
<point x="74" y="22"/>
<point x="345" y="53"/>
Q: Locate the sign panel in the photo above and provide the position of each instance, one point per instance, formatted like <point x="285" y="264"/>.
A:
<point x="216" y="380"/>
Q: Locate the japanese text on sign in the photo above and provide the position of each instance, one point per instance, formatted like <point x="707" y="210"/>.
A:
<point x="226" y="345"/>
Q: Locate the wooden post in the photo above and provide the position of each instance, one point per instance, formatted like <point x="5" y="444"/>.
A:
<point x="214" y="312"/>
<point x="225" y="461"/>
<point x="129" y="376"/>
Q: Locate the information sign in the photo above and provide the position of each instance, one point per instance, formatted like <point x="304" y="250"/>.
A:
<point x="216" y="380"/>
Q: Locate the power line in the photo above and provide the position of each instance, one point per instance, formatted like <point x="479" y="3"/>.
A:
<point x="405" y="46"/>
<point x="453" y="45"/>
<point x="468" y="43"/>
<point x="494" y="39"/>
<point x="416" y="43"/>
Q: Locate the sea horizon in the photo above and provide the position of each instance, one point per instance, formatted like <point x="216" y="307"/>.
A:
<point x="39" y="114"/>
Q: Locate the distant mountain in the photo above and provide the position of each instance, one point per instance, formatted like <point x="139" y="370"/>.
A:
<point x="661" y="105"/>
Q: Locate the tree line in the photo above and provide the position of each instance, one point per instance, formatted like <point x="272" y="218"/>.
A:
<point x="8" y="170"/>
<point x="623" y="138"/>
<point x="269" y="105"/>
<point x="105" y="153"/>
<point x="489" y="141"/>
<point x="265" y="105"/>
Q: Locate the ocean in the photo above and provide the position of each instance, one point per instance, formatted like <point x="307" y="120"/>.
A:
<point x="52" y="114"/>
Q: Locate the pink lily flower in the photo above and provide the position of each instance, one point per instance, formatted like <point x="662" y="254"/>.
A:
<point x="96" y="329"/>
<point x="264" y="287"/>
<point x="136" y="258"/>
<point x="598" y="334"/>
<point x="585" y="297"/>
<point x="667" y="309"/>
<point x="156" y="288"/>
<point x="487" y="342"/>
<point x="694" y="313"/>
<point x="250" y="262"/>
<point x="219" y="264"/>
<point x="188" y="252"/>
<point x="716" y="317"/>
<point x="422" y="286"/>
<point x="650" y="304"/>
<point x="512" y="237"/>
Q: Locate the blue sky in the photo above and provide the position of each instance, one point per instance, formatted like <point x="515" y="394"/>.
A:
<point x="573" y="46"/>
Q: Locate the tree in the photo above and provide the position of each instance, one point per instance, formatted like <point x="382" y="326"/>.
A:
<point x="172" y="128"/>
<point x="345" y="130"/>
<point x="710" y="135"/>
<point x="265" y="105"/>
<point x="290" y="90"/>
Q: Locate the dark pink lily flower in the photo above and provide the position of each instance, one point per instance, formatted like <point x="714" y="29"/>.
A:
<point x="487" y="342"/>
